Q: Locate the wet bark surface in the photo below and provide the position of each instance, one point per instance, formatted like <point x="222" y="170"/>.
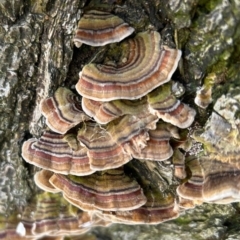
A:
<point x="37" y="56"/>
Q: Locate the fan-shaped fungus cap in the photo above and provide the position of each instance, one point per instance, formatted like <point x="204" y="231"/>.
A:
<point x="98" y="28"/>
<point x="148" y="66"/>
<point x="165" y="105"/>
<point x="105" y="112"/>
<point x="96" y="110"/>
<point x="221" y="180"/>
<point x="158" y="147"/>
<point x="110" y="190"/>
<point x="53" y="153"/>
<point x="77" y="203"/>
<point x="112" y="145"/>
<point x="217" y="182"/>
<point x="159" y="207"/>
<point x="186" y="203"/>
<point x="41" y="179"/>
<point x="62" y="111"/>
<point x="192" y="189"/>
<point x="51" y="215"/>
<point x="203" y="97"/>
<point x="130" y="132"/>
<point x="103" y="152"/>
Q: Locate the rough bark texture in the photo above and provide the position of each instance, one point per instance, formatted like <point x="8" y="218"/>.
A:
<point x="37" y="56"/>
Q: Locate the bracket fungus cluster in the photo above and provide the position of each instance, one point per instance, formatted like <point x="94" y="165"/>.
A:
<point x="215" y="174"/>
<point x="48" y="216"/>
<point x="128" y="111"/>
<point x="51" y="215"/>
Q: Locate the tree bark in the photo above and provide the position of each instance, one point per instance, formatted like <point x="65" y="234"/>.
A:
<point x="37" y="56"/>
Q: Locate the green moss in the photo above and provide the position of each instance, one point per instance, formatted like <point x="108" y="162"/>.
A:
<point x="183" y="220"/>
<point x="160" y="94"/>
<point x="208" y="6"/>
<point x="183" y="35"/>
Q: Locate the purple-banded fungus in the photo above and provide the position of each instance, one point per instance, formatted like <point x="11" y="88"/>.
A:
<point x="130" y="132"/>
<point x="166" y="106"/>
<point x="158" y="147"/>
<point x="160" y="207"/>
<point x="41" y="179"/>
<point x="103" y="152"/>
<point x="62" y="111"/>
<point x="98" y="28"/>
<point x="126" y="100"/>
<point x="221" y="183"/>
<point x="51" y="215"/>
<point x="105" y="112"/>
<point x="192" y="189"/>
<point x="216" y="173"/>
<point x="53" y="153"/>
<point x="11" y="228"/>
<point x="110" y="190"/>
<point x="221" y="163"/>
<point x="148" y="66"/>
<point x="212" y="181"/>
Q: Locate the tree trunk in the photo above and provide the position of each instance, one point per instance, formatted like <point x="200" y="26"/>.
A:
<point x="37" y="56"/>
